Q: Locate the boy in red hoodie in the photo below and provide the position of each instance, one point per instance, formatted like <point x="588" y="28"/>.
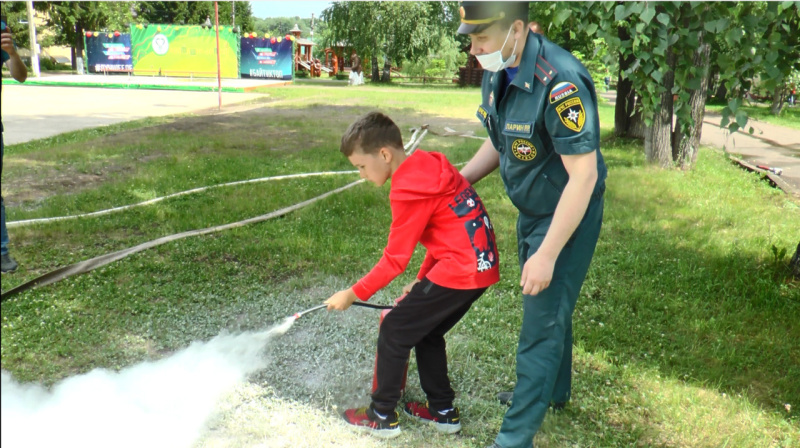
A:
<point x="434" y="205"/>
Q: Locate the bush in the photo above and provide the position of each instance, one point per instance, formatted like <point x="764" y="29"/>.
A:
<point x="342" y="76"/>
<point x="301" y="74"/>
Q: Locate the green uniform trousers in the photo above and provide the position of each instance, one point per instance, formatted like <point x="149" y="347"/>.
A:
<point x="544" y="354"/>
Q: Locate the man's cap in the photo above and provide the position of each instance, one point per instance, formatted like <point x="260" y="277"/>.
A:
<point x="477" y="16"/>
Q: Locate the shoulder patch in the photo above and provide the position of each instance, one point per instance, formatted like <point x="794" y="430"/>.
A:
<point x="561" y="91"/>
<point x="572" y="114"/>
<point x="544" y="71"/>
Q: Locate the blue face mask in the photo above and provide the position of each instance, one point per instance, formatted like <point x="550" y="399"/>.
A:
<point x="494" y="62"/>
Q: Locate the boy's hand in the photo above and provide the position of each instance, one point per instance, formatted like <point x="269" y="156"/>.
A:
<point x="537" y="274"/>
<point x="341" y="300"/>
<point x="407" y="288"/>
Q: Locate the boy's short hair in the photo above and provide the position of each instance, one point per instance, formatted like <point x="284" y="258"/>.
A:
<point x="370" y="133"/>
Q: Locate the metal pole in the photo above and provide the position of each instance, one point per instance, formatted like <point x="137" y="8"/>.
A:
<point x="219" y="72"/>
<point x="233" y="14"/>
<point x="32" y="35"/>
<point x="312" y="37"/>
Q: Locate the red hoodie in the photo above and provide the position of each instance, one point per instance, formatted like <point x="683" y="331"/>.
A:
<point x="433" y="204"/>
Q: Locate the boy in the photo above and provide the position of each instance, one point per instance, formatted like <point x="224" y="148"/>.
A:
<point x="434" y="205"/>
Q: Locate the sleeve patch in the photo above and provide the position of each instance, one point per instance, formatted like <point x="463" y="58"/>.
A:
<point x="572" y="114"/>
<point x="561" y="91"/>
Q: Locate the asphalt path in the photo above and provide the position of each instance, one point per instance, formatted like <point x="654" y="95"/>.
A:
<point x="34" y="112"/>
<point x="769" y="145"/>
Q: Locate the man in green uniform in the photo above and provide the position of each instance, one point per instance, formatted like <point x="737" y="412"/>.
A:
<point x="540" y="109"/>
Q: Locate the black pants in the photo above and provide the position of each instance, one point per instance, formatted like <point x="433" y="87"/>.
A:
<point x="420" y="321"/>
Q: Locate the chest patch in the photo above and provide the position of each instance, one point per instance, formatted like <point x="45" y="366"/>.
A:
<point x="523" y="150"/>
<point x="561" y="91"/>
<point x="481" y="113"/>
<point x="520" y="128"/>
<point x="572" y="114"/>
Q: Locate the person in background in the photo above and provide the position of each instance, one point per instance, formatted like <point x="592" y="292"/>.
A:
<point x="20" y="73"/>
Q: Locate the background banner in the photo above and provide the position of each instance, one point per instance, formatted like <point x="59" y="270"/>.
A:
<point x="108" y="52"/>
<point x="267" y="58"/>
<point x="178" y="50"/>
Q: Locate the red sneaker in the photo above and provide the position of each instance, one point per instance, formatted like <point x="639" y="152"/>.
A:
<point x="448" y="422"/>
<point x="366" y="420"/>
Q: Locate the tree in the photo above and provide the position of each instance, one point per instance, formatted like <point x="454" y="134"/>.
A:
<point x="664" y="50"/>
<point x="70" y="19"/>
<point x="394" y="30"/>
<point x="16" y="15"/>
<point x="195" y="13"/>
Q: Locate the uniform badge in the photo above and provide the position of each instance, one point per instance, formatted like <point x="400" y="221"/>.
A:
<point x="491" y="98"/>
<point x="523" y="150"/>
<point x="561" y="91"/>
<point x="572" y="114"/>
<point x="527" y="85"/>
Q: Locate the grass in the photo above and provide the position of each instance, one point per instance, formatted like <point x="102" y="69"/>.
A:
<point x="685" y="332"/>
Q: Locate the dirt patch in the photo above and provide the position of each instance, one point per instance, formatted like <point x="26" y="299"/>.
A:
<point x="279" y="126"/>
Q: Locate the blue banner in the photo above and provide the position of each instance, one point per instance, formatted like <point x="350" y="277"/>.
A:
<point x="108" y="54"/>
<point x="266" y="58"/>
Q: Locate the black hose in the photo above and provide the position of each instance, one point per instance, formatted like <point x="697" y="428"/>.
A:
<point x="369" y="305"/>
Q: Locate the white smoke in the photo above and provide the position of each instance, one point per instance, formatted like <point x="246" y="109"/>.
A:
<point x="163" y="403"/>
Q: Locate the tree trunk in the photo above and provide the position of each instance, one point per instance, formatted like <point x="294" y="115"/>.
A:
<point x="721" y="92"/>
<point x="376" y="75"/>
<point x="688" y="147"/>
<point x="78" y="47"/>
<point x="626" y="96"/>
<point x="387" y="70"/>
<point x="636" y="126"/>
<point x="795" y="263"/>
<point x="658" y="138"/>
<point x="778" y="96"/>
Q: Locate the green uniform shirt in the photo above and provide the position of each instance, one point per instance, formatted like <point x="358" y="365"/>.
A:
<point x="549" y="109"/>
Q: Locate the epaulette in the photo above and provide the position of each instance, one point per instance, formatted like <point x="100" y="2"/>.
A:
<point x="544" y="71"/>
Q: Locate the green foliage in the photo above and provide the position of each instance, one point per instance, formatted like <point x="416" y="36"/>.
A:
<point x="597" y="65"/>
<point x="764" y="38"/>
<point x="399" y="31"/>
<point x="16" y="19"/>
<point x="195" y="13"/>
<point x="280" y="26"/>
<point x="441" y="63"/>
<point x="69" y="19"/>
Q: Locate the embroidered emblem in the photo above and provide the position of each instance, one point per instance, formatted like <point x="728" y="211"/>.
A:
<point x="523" y="150"/>
<point x="572" y="114"/>
<point x="561" y="91"/>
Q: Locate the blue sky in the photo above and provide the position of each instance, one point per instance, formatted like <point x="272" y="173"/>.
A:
<point x="285" y="8"/>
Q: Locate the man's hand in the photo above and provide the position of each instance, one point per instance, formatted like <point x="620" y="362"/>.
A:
<point x="341" y="300"/>
<point x="7" y="42"/>
<point x="407" y="288"/>
<point x="537" y="273"/>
